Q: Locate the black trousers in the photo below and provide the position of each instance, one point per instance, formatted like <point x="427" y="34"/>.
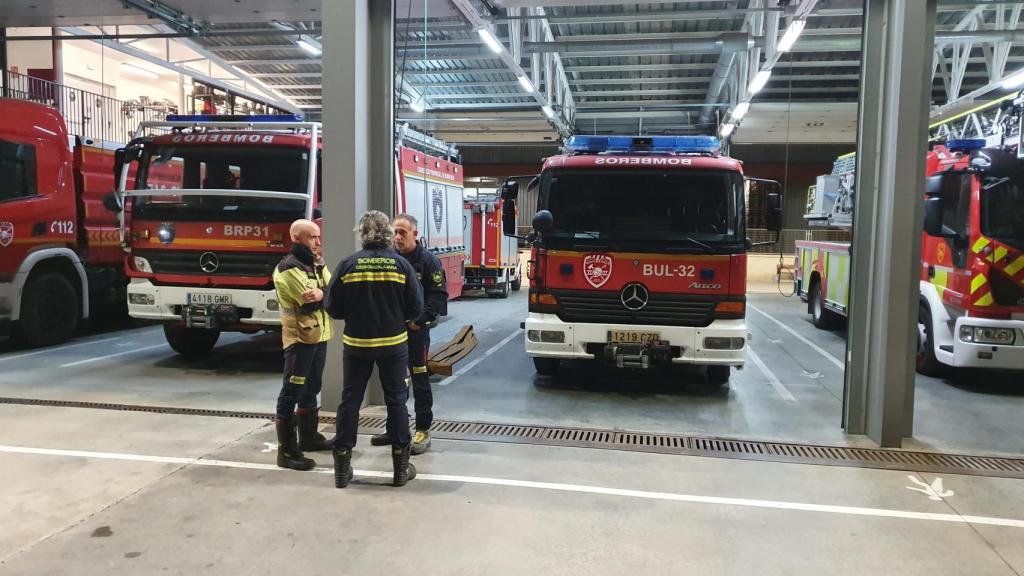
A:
<point x="357" y="372"/>
<point x="303" y="378"/>
<point x="419" y="350"/>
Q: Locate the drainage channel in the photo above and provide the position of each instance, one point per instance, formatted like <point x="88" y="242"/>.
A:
<point x="634" y="441"/>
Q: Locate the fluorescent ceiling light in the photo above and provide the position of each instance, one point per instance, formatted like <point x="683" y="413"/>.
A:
<point x="740" y="110"/>
<point x="490" y="40"/>
<point x="759" y="82"/>
<point x="139" y="71"/>
<point x="417" y="105"/>
<point x="1014" y="81"/>
<point x="726" y="129"/>
<point x="548" y="111"/>
<point x="792" y="33"/>
<point x="526" y="84"/>
<point x="308" y="46"/>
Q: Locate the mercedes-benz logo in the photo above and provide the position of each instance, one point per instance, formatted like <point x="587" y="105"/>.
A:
<point x="634" y="296"/>
<point x="209" y="262"/>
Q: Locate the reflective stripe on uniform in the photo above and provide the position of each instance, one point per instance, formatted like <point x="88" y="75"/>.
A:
<point x="419" y="369"/>
<point x="375" y="342"/>
<point x="300" y="380"/>
<point x="373" y="277"/>
<point x="981" y="244"/>
<point x="978" y="281"/>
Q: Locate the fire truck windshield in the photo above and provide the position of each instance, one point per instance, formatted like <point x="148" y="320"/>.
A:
<point x="630" y="209"/>
<point x="276" y="169"/>
<point x="1002" y="209"/>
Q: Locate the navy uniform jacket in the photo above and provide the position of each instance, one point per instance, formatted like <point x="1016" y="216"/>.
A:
<point x="432" y="280"/>
<point x="376" y="293"/>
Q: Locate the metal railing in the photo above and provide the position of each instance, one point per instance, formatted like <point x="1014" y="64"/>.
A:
<point x="788" y="238"/>
<point x="87" y="115"/>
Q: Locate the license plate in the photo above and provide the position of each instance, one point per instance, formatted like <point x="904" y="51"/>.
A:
<point x="632" y="337"/>
<point x="209" y="298"/>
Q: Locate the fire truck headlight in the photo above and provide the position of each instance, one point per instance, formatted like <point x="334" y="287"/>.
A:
<point x="546" y="336"/>
<point x="142" y="265"/>
<point x="142" y="299"/>
<point x="983" y="335"/>
<point x="717" y="343"/>
<point x="272" y="305"/>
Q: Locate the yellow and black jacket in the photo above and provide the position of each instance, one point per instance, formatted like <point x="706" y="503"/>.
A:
<point x="301" y="323"/>
<point x="375" y="292"/>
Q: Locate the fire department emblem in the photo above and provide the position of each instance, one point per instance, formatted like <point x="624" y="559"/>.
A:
<point x="437" y="206"/>
<point x="597" y="269"/>
<point x="940" y="252"/>
<point x="6" y="233"/>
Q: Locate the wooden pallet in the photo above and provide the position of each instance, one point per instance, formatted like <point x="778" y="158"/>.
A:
<point x="443" y="357"/>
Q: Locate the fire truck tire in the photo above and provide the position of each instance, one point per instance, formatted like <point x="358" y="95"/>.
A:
<point x="823" y="318"/>
<point x="191" y="342"/>
<point x="518" y="282"/>
<point x="546" y="366"/>
<point x="49" y="311"/>
<point x="927" y="363"/>
<point x="719" y="374"/>
<point x="503" y="290"/>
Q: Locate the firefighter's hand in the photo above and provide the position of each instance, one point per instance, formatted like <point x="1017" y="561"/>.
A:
<point x="413" y="326"/>
<point x="312" y="295"/>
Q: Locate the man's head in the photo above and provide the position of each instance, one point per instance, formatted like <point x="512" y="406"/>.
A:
<point x="406" y="233"/>
<point x="306" y="233"/>
<point x="374" y="229"/>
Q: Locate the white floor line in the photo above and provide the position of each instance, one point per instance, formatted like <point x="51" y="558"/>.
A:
<point x="839" y="363"/>
<point x="780" y="388"/>
<point x="56" y="349"/>
<point x="473" y="364"/>
<point x="108" y="356"/>
<point x="578" y="488"/>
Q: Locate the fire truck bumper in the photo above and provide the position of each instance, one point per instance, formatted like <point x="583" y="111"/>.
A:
<point x="966" y="354"/>
<point x="171" y="303"/>
<point x="724" y="342"/>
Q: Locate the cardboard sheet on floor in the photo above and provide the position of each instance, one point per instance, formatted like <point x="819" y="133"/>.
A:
<point x="444" y="356"/>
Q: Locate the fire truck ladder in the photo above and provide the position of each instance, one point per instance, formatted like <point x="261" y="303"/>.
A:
<point x="997" y="122"/>
<point x="406" y="135"/>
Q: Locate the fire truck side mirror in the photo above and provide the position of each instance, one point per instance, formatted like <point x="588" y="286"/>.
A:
<point x="508" y="216"/>
<point x="774" y="216"/>
<point x="933" y="216"/>
<point x="933" y="185"/>
<point x="510" y="190"/>
<point x="543" y="221"/>
<point x="112" y="202"/>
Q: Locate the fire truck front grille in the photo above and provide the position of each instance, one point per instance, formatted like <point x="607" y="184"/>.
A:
<point x="227" y="263"/>
<point x="661" y="309"/>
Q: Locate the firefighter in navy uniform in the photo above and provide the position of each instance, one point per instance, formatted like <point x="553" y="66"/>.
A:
<point x="435" y="299"/>
<point x="376" y="293"/>
<point x="300" y="283"/>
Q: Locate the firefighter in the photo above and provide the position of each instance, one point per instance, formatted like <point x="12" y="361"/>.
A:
<point x="305" y="329"/>
<point x="435" y="299"/>
<point x="376" y="293"/>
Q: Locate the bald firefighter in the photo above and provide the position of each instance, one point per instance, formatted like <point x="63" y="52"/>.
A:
<point x="376" y="293"/>
<point x="300" y="281"/>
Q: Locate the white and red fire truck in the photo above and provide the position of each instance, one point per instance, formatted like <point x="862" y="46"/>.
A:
<point x="202" y="250"/>
<point x="639" y="254"/>
<point x="971" y="307"/>
<point x="492" y="261"/>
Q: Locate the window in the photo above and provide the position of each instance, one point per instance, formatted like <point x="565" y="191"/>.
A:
<point x="17" y="171"/>
<point x="956" y="203"/>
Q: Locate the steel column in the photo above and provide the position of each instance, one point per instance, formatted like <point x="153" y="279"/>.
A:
<point x="892" y="141"/>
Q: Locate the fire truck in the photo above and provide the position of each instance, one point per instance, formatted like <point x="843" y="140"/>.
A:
<point x="60" y="259"/>
<point x="201" y="250"/>
<point x="492" y="259"/>
<point x="638" y="254"/>
<point x="971" y="306"/>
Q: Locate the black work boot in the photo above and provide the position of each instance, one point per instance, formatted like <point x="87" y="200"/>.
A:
<point x="380" y="440"/>
<point x="342" y="467"/>
<point x="288" y="454"/>
<point x="404" y="470"/>
<point x="310" y="440"/>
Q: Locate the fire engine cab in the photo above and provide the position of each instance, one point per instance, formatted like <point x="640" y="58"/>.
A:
<point x="639" y="254"/>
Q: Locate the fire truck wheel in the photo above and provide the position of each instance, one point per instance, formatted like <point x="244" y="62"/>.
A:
<point x="49" y="310"/>
<point x="503" y="290"/>
<point x="927" y="363"/>
<point x="719" y="374"/>
<point x="823" y="318"/>
<point x="191" y="342"/>
<point x="546" y="366"/>
<point x="518" y="282"/>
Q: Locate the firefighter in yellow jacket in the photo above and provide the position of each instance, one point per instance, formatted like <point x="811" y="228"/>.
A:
<point x="301" y="280"/>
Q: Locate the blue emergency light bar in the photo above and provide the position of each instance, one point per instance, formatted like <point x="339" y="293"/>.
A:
<point x="653" y="144"/>
<point x="234" y="118"/>
<point x="966" y="144"/>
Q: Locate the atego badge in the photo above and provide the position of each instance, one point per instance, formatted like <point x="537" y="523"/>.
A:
<point x="597" y="269"/>
<point x="6" y="234"/>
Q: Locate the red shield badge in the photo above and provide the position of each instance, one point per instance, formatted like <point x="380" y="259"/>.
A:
<point x="6" y="234"/>
<point x="597" y="269"/>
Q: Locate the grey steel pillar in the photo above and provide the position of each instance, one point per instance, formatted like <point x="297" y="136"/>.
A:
<point x="892" y="141"/>
<point x="3" y="62"/>
<point x="358" y="158"/>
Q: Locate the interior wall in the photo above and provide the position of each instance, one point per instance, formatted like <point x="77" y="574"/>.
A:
<point x="86" y="66"/>
<point x="23" y="55"/>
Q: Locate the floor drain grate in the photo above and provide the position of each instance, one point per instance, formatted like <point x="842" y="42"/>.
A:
<point x="634" y="441"/>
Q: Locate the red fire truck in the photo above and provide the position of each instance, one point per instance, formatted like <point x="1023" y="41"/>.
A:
<point x="492" y="261"/>
<point x="201" y="251"/>
<point x="639" y="254"/>
<point x="59" y="251"/>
